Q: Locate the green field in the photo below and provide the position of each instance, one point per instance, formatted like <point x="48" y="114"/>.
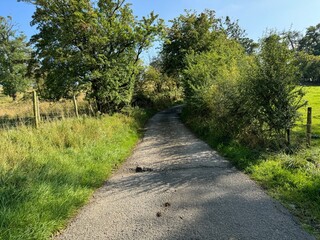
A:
<point x="313" y="98"/>
<point x="46" y="174"/>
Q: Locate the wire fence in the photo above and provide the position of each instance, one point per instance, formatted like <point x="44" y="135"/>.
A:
<point x="24" y="113"/>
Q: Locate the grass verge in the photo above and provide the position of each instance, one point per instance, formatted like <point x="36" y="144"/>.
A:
<point x="48" y="173"/>
<point x="292" y="179"/>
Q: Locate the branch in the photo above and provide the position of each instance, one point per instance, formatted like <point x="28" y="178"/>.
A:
<point x="119" y="4"/>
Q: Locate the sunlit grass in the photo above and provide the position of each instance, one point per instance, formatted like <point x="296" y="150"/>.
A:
<point x="20" y="112"/>
<point x="48" y="173"/>
<point x="313" y="99"/>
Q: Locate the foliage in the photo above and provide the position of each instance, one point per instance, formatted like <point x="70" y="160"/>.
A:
<point x="309" y="66"/>
<point x="188" y="32"/>
<point x="14" y="57"/>
<point x="292" y="38"/>
<point x="250" y="98"/>
<point x="272" y="98"/>
<point x="195" y="33"/>
<point x="307" y="49"/>
<point x="310" y="43"/>
<point x="157" y="90"/>
<point x="235" y="32"/>
<point x="91" y="47"/>
<point x="46" y="175"/>
<point x="293" y="179"/>
<point x="211" y="82"/>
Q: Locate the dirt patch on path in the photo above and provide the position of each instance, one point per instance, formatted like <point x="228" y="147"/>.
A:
<point x="175" y="186"/>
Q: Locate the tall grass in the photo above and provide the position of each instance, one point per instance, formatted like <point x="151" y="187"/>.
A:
<point x="294" y="179"/>
<point x="48" y="173"/>
<point x="21" y="112"/>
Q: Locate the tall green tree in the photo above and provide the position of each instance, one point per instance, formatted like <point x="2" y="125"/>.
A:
<point x="305" y="48"/>
<point x="310" y="43"/>
<point x="189" y="32"/>
<point x="93" y="47"/>
<point x="309" y="66"/>
<point x="14" y="57"/>
<point x="195" y="33"/>
<point x="292" y="38"/>
<point x="235" y="32"/>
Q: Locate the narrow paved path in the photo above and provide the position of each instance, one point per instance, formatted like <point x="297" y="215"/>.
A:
<point x="185" y="191"/>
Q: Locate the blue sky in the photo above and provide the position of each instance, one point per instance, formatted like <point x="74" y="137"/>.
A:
<point x="255" y="16"/>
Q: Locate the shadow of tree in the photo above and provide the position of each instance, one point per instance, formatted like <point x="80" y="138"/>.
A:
<point x="191" y="193"/>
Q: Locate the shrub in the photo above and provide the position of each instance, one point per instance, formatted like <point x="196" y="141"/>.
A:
<point x="270" y="94"/>
<point x="211" y="83"/>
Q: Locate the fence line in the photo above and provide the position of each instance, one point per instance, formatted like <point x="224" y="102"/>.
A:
<point x="44" y="112"/>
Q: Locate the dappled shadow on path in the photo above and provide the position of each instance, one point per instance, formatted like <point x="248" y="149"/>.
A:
<point x="188" y="192"/>
<point x="209" y="199"/>
<point x="205" y="203"/>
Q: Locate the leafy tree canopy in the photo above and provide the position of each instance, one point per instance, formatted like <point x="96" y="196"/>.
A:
<point x="309" y="66"/>
<point x="194" y="32"/>
<point x="96" y="47"/>
<point x="292" y="38"/>
<point x="14" y="57"/>
<point x="189" y="32"/>
<point x="310" y="43"/>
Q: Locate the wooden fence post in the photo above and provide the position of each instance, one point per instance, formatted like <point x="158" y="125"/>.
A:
<point x="38" y="108"/>
<point x="309" y="122"/>
<point x="75" y="106"/>
<point x="288" y="136"/>
<point x="35" y="109"/>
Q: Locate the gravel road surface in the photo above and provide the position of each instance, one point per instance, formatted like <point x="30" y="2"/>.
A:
<point x="182" y="190"/>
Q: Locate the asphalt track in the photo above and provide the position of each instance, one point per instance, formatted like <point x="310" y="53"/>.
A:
<point x="175" y="186"/>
